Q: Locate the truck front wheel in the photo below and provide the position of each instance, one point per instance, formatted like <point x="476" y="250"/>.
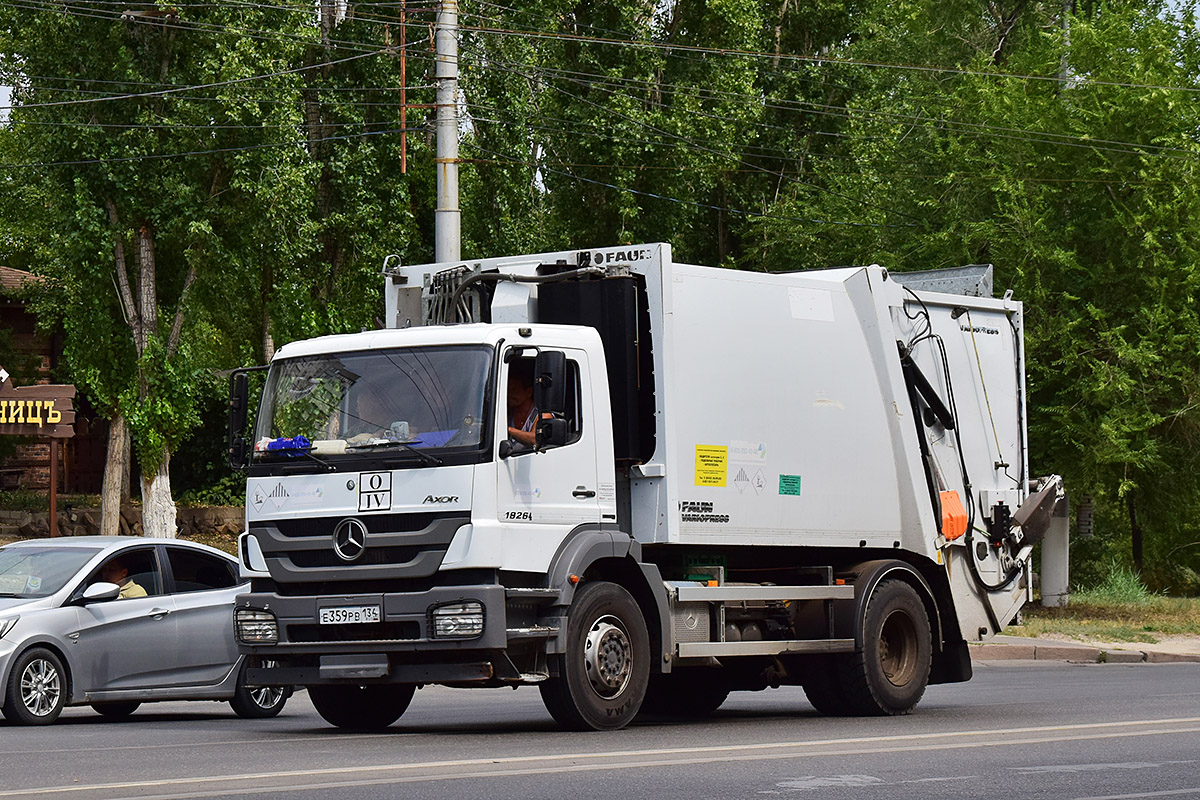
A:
<point x="363" y="708"/>
<point x="601" y="679"/>
<point x="889" y="676"/>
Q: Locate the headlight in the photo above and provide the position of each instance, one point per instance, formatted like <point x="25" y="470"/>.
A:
<point x="255" y="626"/>
<point x="461" y="620"/>
<point x="7" y="624"/>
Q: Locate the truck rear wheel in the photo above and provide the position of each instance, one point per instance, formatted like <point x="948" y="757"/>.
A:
<point x="362" y="708"/>
<point x="686" y="693"/>
<point x="601" y="679"/>
<point x="889" y="676"/>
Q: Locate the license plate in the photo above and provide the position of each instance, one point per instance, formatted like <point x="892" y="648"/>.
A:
<point x="349" y="615"/>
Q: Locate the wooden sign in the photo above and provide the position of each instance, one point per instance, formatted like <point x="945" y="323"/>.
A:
<point x="45" y="410"/>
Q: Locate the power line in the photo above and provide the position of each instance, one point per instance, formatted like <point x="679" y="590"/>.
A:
<point x="212" y="151"/>
<point x="734" y="211"/>
<point x="164" y="92"/>
<point x="820" y="60"/>
<point x="717" y="153"/>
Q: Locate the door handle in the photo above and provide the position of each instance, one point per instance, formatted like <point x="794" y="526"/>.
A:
<point x="582" y="492"/>
<point x="159" y="612"/>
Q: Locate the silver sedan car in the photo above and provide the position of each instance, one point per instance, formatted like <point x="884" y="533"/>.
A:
<point x="117" y="621"/>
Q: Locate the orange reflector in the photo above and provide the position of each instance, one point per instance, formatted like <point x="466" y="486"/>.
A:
<point x="713" y="583"/>
<point x="573" y="579"/>
<point x="839" y="581"/>
<point x="954" y="516"/>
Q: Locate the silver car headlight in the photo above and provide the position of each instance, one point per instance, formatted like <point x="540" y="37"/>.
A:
<point x="256" y="626"/>
<point x="6" y="625"/>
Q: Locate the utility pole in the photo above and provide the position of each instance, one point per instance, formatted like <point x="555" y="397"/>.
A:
<point x="447" y="219"/>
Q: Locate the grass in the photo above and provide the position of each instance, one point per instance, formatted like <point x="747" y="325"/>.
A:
<point x="1119" y="609"/>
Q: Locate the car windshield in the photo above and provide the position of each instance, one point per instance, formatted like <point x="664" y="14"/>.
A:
<point x="423" y="398"/>
<point x="40" y="571"/>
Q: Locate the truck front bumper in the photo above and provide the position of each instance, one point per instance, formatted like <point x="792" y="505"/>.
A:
<point x="403" y="646"/>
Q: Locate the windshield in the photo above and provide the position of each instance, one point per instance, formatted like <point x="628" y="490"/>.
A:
<point x="424" y="398"/>
<point x="40" y="571"/>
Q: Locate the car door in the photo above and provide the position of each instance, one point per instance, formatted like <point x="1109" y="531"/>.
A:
<point x="203" y="587"/>
<point x="129" y="643"/>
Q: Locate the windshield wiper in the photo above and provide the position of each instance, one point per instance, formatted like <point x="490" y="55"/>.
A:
<point x="431" y="460"/>
<point x="10" y="594"/>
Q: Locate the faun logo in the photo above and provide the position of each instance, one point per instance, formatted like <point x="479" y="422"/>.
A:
<point x="449" y="498"/>
<point x="600" y="258"/>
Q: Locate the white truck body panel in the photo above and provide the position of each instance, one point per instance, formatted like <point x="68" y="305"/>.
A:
<point x="781" y="405"/>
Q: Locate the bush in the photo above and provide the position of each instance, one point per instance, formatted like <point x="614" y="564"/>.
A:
<point x="26" y="500"/>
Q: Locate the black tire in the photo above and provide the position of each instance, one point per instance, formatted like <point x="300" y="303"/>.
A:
<point x="117" y="710"/>
<point x="686" y="693"/>
<point x="37" y="688"/>
<point x="824" y="687"/>
<point x="362" y="708"/>
<point x="889" y="676"/>
<point x="259" y="703"/>
<point x="601" y="680"/>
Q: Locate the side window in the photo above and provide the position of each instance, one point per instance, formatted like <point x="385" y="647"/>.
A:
<point x="574" y="413"/>
<point x="522" y="416"/>
<point x="195" y="572"/>
<point x="136" y="571"/>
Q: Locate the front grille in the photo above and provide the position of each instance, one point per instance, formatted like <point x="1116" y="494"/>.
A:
<point x="373" y="555"/>
<point x="397" y="546"/>
<point x="375" y="523"/>
<point x="371" y="632"/>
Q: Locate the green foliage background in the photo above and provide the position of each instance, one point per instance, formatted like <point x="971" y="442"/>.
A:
<point x="1059" y="142"/>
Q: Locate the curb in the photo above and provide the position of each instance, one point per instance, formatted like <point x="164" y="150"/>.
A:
<point x="1078" y="654"/>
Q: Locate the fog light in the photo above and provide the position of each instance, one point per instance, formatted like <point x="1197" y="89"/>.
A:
<point x="255" y="626"/>
<point x="460" y="620"/>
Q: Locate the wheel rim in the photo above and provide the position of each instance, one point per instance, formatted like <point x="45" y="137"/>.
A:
<point x="41" y="687"/>
<point x="267" y="696"/>
<point x="608" y="657"/>
<point x="898" y="648"/>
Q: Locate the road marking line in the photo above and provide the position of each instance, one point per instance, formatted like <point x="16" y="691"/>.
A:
<point x="1163" y="793"/>
<point x="633" y="759"/>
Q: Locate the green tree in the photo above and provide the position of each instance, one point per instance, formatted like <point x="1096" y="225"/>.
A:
<point x="160" y="175"/>
<point x="1064" y="149"/>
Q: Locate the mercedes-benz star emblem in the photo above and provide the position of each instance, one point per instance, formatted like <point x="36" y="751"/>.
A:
<point x="349" y="539"/>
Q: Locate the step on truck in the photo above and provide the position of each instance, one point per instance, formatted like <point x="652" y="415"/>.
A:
<point x="728" y="481"/>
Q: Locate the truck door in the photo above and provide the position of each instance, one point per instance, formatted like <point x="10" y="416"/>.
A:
<point x="558" y="485"/>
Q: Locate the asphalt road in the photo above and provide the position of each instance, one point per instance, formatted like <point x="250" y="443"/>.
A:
<point x="1017" y="730"/>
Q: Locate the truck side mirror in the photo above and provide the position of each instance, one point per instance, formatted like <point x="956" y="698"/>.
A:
<point x="238" y="412"/>
<point x="552" y="432"/>
<point x="550" y="382"/>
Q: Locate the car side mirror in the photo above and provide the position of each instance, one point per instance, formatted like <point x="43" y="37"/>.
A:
<point x="100" y="591"/>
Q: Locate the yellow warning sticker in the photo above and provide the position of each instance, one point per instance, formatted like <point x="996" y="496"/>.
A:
<point x="711" y="464"/>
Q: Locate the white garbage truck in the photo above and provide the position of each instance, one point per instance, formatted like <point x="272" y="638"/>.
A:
<point x="639" y="485"/>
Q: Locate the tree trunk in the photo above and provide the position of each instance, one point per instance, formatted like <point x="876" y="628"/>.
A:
<point x="1135" y="531"/>
<point x="158" y="507"/>
<point x="116" y="477"/>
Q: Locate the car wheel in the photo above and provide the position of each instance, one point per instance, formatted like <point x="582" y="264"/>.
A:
<point x="119" y="710"/>
<point x="259" y="702"/>
<point x="362" y="708"/>
<point x="37" y="688"/>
